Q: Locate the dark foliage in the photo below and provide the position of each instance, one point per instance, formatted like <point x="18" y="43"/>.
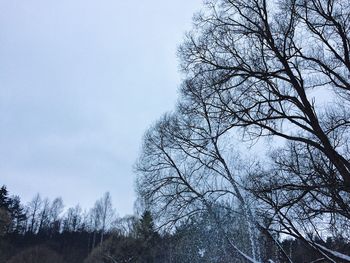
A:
<point x="196" y="240"/>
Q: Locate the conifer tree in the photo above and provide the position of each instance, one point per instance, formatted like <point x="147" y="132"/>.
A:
<point x="146" y="233"/>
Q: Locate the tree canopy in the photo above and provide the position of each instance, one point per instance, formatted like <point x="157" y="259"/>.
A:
<point x="257" y="69"/>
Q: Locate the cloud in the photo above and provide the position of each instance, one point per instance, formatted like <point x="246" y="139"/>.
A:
<point x="80" y="81"/>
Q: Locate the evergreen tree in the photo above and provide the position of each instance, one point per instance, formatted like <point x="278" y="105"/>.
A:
<point x="146" y="233"/>
<point x="4" y="210"/>
<point x="4" y="199"/>
<point x="17" y="215"/>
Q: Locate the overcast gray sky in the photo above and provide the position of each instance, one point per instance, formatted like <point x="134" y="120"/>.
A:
<point x="80" y="82"/>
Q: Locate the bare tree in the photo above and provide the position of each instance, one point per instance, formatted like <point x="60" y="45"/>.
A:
<point x="73" y="219"/>
<point x="102" y="215"/>
<point x="262" y="69"/>
<point x="34" y="208"/>
<point x="252" y="59"/>
<point x="184" y="171"/>
<point x="43" y="216"/>
<point x="126" y="225"/>
<point x="56" y="209"/>
<point x="107" y="213"/>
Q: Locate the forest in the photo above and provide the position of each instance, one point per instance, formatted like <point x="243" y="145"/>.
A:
<point x="252" y="165"/>
<point x="44" y="231"/>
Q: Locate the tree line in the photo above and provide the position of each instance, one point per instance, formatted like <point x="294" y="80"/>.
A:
<point x="43" y="217"/>
<point x="41" y="220"/>
<point x="45" y="231"/>
<point x="71" y="235"/>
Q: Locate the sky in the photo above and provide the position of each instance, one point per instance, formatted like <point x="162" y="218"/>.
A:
<point x="80" y="82"/>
